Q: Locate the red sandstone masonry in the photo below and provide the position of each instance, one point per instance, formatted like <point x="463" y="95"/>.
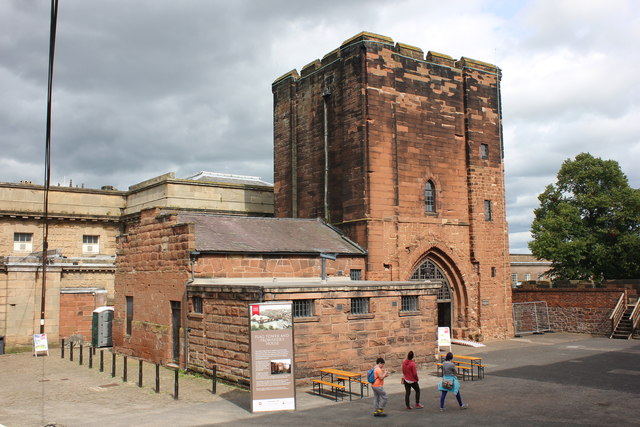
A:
<point x="409" y="120"/>
<point x="575" y="310"/>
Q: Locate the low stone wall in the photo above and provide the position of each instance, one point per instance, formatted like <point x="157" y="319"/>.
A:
<point x="575" y="310"/>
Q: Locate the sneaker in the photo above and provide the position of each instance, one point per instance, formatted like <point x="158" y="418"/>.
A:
<point x="419" y="406"/>
<point x="409" y="408"/>
<point x="463" y="406"/>
<point x="441" y="409"/>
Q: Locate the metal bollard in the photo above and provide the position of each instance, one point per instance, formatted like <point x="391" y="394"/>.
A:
<point x="113" y="365"/>
<point x="62" y="350"/>
<point x="80" y="359"/>
<point x="71" y="352"/>
<point x="124" y="370"/>
<point x="215" y="379"/>
<point x="90" y="357"/>
<point x="175" y="385"/>
<point x="157" y="378"/>
<point x="140" y="373"/>
<point x="101" y="360"/>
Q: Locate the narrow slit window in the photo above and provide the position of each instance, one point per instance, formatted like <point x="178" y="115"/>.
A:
<point x="430" y="197"/>
<point x="488" y="215"/>
<point x="129" y="314"/>
<point x="484" y="151"/>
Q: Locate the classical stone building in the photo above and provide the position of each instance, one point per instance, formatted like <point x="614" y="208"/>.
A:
<point x="403" y="152"/>
<point x="526" y="268"/>
<point x="83" y="225"/>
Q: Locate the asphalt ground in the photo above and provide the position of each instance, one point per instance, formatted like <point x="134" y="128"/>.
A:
<point x="551" y="379"/>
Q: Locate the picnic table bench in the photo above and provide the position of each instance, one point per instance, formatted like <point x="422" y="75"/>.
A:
<point x="336" y="388"/>
<point x="342" y="376"/>
<point x="466" y="364"/>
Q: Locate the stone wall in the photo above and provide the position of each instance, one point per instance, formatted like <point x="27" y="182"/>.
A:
<point x="396" y="119"/>
<point x="575" y="310"/>
<point x="76" y="312"/>
<point x="332" y="337"/>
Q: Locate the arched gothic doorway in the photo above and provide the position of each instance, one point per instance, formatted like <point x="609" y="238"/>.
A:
<point x="428" y="270"/>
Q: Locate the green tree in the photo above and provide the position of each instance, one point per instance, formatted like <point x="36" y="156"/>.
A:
<point x="588" y="223"/>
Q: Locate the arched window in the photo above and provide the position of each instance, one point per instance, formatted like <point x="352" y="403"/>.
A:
<point x="428" y="270"/>
<point x="430" y="197"/>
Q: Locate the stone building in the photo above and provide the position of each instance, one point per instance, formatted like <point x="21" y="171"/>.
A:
<point x="83" y="225"/>
<point x="184" y="282"/>
<point x="526" y="268"/>
<point x="403" y="152"/>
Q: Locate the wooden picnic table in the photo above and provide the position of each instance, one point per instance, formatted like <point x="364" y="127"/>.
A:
<point x="474" y="362"/>
<point x="352" y="376"/>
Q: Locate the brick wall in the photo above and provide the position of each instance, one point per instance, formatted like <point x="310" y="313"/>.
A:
<point x="397" y="119"/>
<point x="332" y="337"/>
<point x="575" y="310"/>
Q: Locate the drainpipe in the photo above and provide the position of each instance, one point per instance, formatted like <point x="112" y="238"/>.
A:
<point x="325" y="99"/>
<point x="193" y="256"/>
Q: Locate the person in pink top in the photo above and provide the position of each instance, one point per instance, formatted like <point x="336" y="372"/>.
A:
<point x="410" y="380"/>
<point x="379" y="395"/>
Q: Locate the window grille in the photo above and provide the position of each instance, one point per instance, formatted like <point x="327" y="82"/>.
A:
<point x="488" y="216"/>
<point x="409" y="303"/>
<point x="359" y="305"/>
<point x="429" y="271"/>
<point x="355" y="274"/>
<point x="197" y="304"/>
<point x="429" y="197"/>
<point x="302" y="308"/>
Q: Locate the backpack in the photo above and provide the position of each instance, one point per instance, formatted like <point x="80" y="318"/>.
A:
<point x="371" y="376"/>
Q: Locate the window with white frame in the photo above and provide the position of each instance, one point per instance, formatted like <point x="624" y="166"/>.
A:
<point x="359" y="305"/>
<point x="23" y="242"/>
<point x="90" y="244"/>
<point x="527" y="276"/>
<point x="409" y="303"/>
<point x="302" y="308"/>
<point x="514" y="279"/>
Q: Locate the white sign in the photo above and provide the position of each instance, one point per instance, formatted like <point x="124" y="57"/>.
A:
<point x="40" y="344"/>
<point x="444" y="336"/>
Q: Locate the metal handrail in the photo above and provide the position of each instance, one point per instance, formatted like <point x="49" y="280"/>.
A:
<point x="618" y="312"/>
<point x="635" y="318"/>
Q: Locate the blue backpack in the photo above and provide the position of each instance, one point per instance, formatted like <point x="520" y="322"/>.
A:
<point x="371" y="376"/>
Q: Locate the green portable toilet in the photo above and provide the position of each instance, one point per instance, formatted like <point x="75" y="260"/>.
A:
<point x="101" y="327"/>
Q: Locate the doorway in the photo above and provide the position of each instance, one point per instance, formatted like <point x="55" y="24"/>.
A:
<point x="176" y="324"/>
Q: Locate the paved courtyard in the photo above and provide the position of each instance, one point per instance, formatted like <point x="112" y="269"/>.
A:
<point x="551" y="379"/>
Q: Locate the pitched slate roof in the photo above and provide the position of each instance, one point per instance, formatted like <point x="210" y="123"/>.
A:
<point x="218" y="233"/>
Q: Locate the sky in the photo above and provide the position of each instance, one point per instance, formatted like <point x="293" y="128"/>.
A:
<point x="154" y="86"/>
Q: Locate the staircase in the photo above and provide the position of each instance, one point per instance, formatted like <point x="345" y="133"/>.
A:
<point x="625" y="329"/>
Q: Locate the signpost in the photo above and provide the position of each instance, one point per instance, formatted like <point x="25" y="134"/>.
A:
<point x="272" y="367"/>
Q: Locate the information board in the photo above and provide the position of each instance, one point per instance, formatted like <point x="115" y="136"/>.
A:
<point x="272" y="367"/>
<point x="444" y="336"/>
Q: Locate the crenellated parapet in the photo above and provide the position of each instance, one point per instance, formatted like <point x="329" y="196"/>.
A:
<point x="401" y="49"/>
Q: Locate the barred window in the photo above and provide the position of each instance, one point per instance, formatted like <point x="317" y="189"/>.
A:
<point x="197" y="304"/>
<point x="359" y="305"/>
<point x="302" y="308"/>
<point x="355" y="274"/>
<point x="409" y="303"/>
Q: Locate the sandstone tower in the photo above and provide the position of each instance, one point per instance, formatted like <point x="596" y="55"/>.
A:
<point x="403" y="152"/>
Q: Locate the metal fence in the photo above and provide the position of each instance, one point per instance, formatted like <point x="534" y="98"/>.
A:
<point x="531" y="317"/>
